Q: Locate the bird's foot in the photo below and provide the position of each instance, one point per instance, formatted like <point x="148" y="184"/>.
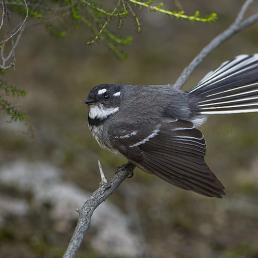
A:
<point x="129" y="167"/>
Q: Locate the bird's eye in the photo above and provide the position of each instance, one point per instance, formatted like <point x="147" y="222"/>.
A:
<point x="106" y="95"/>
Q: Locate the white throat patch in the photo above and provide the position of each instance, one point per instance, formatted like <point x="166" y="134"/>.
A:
<point x="100" y="112"/>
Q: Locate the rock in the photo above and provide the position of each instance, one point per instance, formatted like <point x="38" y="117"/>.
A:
<point x="12" y="206"/>
<point x="113" y="235"/>
<point x="15" y="126"/>
<point x="29" y="176"/>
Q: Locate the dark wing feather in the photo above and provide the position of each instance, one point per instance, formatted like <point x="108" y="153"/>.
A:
<point x="174" y="152"/>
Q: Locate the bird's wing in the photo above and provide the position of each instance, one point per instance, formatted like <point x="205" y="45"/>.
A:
<point x="174" y="150"/>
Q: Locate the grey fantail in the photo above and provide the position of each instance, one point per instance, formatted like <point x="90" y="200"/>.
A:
<point x="155" y="126"/>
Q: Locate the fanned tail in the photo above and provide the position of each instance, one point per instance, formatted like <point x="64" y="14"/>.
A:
<point x="232" y="88"/>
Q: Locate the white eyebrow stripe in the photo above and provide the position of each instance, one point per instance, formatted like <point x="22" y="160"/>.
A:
<point x="102" y="91"/>
<point x="152" y="135"/>
<point x="117" y="94"/>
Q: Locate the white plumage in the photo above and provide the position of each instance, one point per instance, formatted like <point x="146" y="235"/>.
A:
<point x="101" y="112"/>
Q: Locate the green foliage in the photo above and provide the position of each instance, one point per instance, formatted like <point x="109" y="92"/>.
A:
<point x="102" y="20"/>
<point x="178" y="14"/>
<point x="7" y="92"/>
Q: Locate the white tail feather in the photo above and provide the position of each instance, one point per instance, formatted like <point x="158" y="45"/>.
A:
<point x="222" y="68"/>
<point x="232" y="106"/>
<point x="230" y="96"/>
<point x="228" y="102"/>
<point x="229" y="112"/>
<point x="225" y="72"/>
<point x="232" y="88"/>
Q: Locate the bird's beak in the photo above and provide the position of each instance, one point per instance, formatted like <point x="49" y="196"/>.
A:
<point x="89" y="101"/>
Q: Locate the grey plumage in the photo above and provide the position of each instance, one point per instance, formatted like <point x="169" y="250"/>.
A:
<point x="155" y="127"/>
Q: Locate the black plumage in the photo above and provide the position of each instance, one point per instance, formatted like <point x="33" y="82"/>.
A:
<point x="175" y="153"/>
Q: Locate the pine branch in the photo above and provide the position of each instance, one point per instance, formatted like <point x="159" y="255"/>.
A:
<point x="177" y="14"/>
<point x="6" y="106"/>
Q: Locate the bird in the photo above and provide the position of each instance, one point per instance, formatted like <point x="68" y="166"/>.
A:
<point x="156" y="127"/>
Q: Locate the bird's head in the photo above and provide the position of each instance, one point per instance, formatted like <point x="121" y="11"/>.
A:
<point x="104" y="101"/>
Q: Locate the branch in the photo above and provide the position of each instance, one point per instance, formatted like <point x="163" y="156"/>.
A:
<point x="7" y="61"/>
<point x="178" y="14"/>
<point x="86" y="211"/>
<point x="107" y="188"/>
<point x="238" y="25"/>
<point x="102" y="175"/>
<point x="3" y="15"/>
<point x="20" y="26"/>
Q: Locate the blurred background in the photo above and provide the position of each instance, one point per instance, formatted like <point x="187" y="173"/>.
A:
<point x="48" y="164"/>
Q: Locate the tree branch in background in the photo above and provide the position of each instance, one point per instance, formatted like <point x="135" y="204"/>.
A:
<point x="7" y="90"/>
<point x="101" y="21"/>
<point x="106" y="189"/>
<point x="178" y="14"/>
<point x="238" y="25"/>
<point x="9" y="41"/>
<point x="7" y="57"/>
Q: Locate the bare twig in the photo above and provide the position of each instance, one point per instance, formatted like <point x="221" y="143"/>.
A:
<point x="107" y="188"/>
<point x="242" y="11"/>
<point x="86" y="211"/>
<point x="3" y="15"/>
<point x="102" y="175"/>
<point x="13" y="39"/>
<point x="20" y="26"/>
<point x="239" y="24"/>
